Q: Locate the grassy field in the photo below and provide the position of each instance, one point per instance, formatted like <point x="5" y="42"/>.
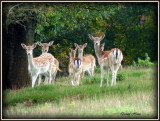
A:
<point x="133" y="97"/>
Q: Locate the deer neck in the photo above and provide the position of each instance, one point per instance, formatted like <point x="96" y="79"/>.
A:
<point x="80" y="54"/>
<point x="30" y="61"/>
<point x="97" y="51"/>
<point x="71" y="57"/>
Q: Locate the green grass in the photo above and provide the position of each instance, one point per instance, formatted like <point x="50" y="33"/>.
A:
<point x="130" y="97"/>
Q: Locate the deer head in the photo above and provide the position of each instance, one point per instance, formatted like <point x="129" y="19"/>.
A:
<point x="72" y="52"/>
<point x="29" y="49"/>
<point x="45" y="46"/>
<point x="96" y="40"/>
<point x="80" y="47"/>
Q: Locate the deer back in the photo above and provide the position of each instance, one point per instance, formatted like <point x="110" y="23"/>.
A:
<point x="44" y="60"/>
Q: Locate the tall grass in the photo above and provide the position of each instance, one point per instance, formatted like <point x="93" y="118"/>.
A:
<point x="135" y="94"/>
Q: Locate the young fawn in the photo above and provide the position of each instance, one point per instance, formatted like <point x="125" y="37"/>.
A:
<point x="39" y="65"/>
<point x="110" y="59"/>
<point x="75" y="67"/>
<point x="88" y="60"/>
<point x="55" y="65"/>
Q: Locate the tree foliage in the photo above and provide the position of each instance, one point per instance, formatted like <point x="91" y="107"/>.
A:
<point x="66" y="23"/>
<point x="131" y="27"/>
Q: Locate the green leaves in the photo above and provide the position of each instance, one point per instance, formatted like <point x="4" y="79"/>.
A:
<point x="120" y="22"/>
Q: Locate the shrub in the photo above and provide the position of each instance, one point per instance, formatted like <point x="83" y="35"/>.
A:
<point x="134" y="64"/>
<point x="146" y="62"/>
<point x="143" y="63"/>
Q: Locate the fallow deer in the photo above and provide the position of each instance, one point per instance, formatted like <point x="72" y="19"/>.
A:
<point x="38" y="65"/>
<point x="110" y="59"/>
<point x="88" y="60"/>
<point x="75" y="67"/>
<point x="102" y="48"/>
<point x="55" y="65"/>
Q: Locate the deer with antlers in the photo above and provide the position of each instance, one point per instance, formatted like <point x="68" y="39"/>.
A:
<point x="39" y="65"/>
<point x="75" y="67"/>
<point x="110" y="59"/>
<point x="55" y="64"/>
<point x="88" y="60"/>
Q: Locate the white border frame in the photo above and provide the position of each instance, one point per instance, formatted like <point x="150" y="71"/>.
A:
<point x="83" y="2"/>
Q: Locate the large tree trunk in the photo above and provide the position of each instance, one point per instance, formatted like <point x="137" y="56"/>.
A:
<point x="15" y="65"/>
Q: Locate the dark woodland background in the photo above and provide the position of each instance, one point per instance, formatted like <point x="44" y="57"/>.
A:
<point x="131" y="27"/>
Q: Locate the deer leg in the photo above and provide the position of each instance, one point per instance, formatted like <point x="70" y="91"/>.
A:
<point x="116" y="70"/>
<point x="72" y="78"/>
<point x="77" y="79"/>
<point x="55" y="73"/>
<point x="53" y="76"/>
<point x="73" y="81"/>
<point x="39" y="80"/>
<point x="50" y="77"/>
<point x="107" y="75"/>
<point x="89" y="72"/>
<point x="115" y="78"/>
<point x="34" y="78"/>
<point x="102" y="74"/>
<point x="46" y="79"/>
<point x="83" y="74"/>
<point x="113" y="74"/>
<point x="73" y="84"/>
<point x="92" y="71"/>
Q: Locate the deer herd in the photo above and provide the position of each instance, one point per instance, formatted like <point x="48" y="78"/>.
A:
<point x="47" y="65"/>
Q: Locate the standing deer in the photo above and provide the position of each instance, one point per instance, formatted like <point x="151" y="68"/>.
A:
<point x="75" y="67"/>
<point x="39" y="65"/>
<point x="55" y="65"/>
<point x="102" y="48"/>
<point x="110" y="59"/>
<point x="88" y="60"/>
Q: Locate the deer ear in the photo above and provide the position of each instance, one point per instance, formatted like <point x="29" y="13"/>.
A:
<point x="39" y="43"/>
<point x="76" y="45"/>
<point x="84" y="45"/>
<point x="91" y="37"/>
<point x="50" y="43"/>
<point x="102" y="37"/>
<point x="23" y="45"/>
<point x="70" y="49"/>
<point x="34" y="45"/>
<point x="75" y="49"/>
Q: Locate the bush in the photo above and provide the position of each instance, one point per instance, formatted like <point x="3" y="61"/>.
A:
<point x="121" y="77"/>
<point x="143" y="63"/>
<point x="146" y="62"/>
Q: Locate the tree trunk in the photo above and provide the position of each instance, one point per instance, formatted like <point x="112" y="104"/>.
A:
<point x="15" y="64"/>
